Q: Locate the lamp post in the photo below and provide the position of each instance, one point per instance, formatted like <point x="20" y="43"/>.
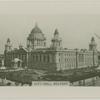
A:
<point x="93" y="59"/>
<point x="76" y="58"/>
<point x="27" y="58"/>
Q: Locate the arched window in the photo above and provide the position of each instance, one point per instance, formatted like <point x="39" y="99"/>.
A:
<point x="33" y="57"/>
<point x="48" y="58"/>
<point x="44" y="58"/>
<point x="40" y="57"/>
<point x="36" y="57"/>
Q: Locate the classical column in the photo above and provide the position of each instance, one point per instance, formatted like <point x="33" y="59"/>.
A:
<point x="76" y="59"/>
<point x="93" y="58"/>
<point x="50" y="58"/>
<point x="20" y="64"/>
<point x="27" y="58"/>
<point x="42" y="57"/>
<point x="15" y="64"/>
<point x="2" y="62"/>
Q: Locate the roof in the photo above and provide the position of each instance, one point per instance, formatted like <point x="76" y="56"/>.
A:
<point x="56" y="36"/>
<point x="36" y="29"/>
<point x="36" y="33"/>
<point x="8" y="40"/>
<point x="19" y="51"/>
<point x="17" y="60"/>
<point x="92" y="41"/>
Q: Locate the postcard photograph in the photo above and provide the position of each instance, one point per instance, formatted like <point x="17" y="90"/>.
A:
<point x="50" y="44"/>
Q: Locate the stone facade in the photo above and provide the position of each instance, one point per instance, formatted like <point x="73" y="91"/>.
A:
<point x="11" y="56"/>
<point x="38" y="56"/>
<point x="62" y="59"/>
<point x="1" y="60"/>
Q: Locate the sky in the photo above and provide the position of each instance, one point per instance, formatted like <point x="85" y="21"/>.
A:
<point x="76" y="21"/>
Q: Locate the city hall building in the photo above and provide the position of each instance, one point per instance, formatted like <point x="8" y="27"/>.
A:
<point x="37" y="56"/>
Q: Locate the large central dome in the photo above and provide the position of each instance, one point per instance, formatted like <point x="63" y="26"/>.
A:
<point x="36" y="33"/>
<point x="36" y="39"/>
<point x="36" y="29"/>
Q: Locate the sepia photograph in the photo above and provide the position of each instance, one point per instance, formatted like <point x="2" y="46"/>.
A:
<point x="50" y="43"/>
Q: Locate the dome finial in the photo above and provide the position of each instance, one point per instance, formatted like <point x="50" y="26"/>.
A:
<point x="36" y="24"/>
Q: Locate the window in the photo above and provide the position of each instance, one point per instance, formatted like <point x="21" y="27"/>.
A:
<point x="65" y="59"/>
<point x="44" y="58"/>
<point x="48" y="58"/>
<point x="59" y="59"/>
<point x="33" y="57"/>
<point x="59" y="54"/>
<point x="36" y="57"/>
<point x="40" y="57"/>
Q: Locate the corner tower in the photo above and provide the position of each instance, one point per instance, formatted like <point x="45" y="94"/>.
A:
<point x="92" y="45"/>
<point x="8" y="45"/>
<point x="56" y="41"/>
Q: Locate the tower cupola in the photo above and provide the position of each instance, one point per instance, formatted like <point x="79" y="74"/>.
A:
<point x="8" y="45"/>
<point x="56" y="41"/>
<point x="92" y="45"/>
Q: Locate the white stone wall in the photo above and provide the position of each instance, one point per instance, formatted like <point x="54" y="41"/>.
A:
<point x="62" y="59"/>
<point x="67" y="59"/>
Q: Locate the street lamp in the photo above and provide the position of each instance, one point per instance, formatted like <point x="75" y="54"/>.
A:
<point x="93" y="59"/>
<point x="76" y="58"/>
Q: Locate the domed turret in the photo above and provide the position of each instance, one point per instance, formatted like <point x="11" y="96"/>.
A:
<point x="36" y="38"/>
<point x="8" y="45"/>
<point x="92" y="45"/>
<point x="56" y="32"/>
<point x="56" y="41"/>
